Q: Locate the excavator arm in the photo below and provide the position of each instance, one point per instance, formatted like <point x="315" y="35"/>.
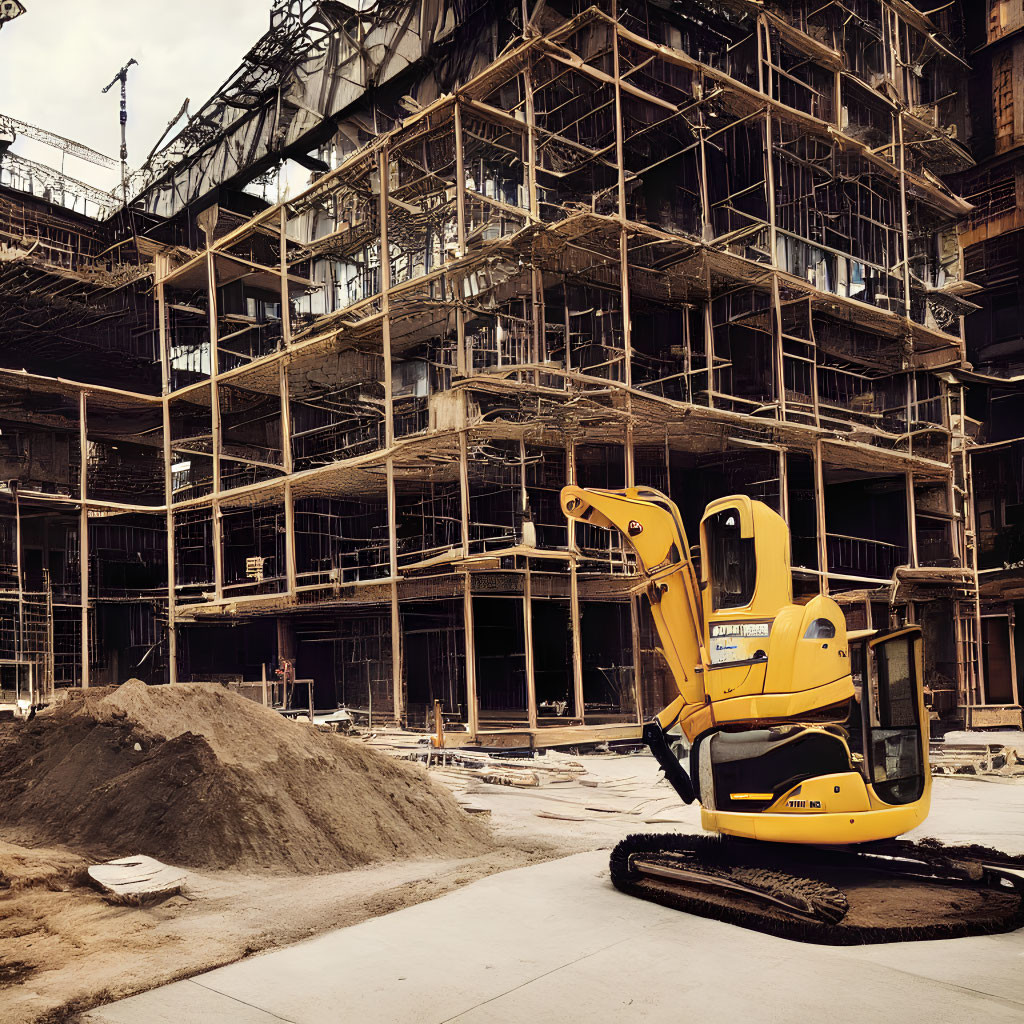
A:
<point x="651" y="525"/>
<point x="740" y="651"/>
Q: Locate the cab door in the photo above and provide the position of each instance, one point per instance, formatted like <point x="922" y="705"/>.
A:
<point x="894" y="721"/>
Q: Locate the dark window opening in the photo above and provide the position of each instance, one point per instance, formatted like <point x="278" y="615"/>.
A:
<point x="552" y="662"/>
<point x="893" y="749"/>
<point x="995" y="648"/>
<point x="820" y="629"/>
<point x="500" y="660"/>
<point x="731" y="561"/>
<point x="608" y="676"/>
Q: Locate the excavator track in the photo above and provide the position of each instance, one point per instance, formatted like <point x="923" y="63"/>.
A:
<point x="895" y="891"/>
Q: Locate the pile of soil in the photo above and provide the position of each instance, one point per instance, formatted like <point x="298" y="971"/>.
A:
<point x="197" y="776"/>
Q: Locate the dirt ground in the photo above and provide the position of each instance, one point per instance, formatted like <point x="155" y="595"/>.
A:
<point x="199" y="777"/>
<point x="64" y="947"/>
<point x="286" y="831"/>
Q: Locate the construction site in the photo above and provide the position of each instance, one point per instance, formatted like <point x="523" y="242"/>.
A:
<point x="312" y="424"/>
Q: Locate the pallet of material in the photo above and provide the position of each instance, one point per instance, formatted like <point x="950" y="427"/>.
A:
<point x="975" y="759"/>
<point x="493" y="770"/>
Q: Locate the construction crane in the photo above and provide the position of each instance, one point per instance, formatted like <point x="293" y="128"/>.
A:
<point x="67" y="146"/>
<point x="122" y="77"/>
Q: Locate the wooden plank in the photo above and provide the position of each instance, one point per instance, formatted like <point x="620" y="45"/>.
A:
<point x="397" y="688"/>
<point x="553" y="736"/>
<point x="463" y="359"/>
<point x="531" y="682"/>
<point x="819" y="511"/>
<point x="215" y="528"/>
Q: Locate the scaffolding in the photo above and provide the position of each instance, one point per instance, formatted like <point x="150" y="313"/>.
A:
<point x="705" y="247"/>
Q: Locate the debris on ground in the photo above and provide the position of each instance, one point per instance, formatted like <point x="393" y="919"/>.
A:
<point x="497" y="771"/>
<point x="137" y="880"/>
<point x="997" y="754"/>
<point x="566" y="786"/>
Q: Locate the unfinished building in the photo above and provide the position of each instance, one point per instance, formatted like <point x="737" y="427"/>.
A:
<point x="702" y="246"/>
<point x="992" y="239"/>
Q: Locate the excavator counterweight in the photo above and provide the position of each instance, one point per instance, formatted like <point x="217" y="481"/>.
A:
<point x="798" y="735"/>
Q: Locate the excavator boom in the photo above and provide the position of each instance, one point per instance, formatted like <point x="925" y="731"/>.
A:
<point x="654" y="529"/>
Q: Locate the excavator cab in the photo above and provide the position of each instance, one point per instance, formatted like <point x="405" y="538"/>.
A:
<point x="780" y="746"/>
<point x="747" y="602"/>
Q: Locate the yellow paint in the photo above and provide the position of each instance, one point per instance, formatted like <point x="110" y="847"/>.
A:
<point x="829" y="828"/>
<point x="766" y="662"/>
<point x="769" y="707"/>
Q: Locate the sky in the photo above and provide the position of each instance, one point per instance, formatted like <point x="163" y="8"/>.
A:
<point x="57" y="57"/>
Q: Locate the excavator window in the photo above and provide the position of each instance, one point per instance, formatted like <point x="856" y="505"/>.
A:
<point x="893" y="747"/>
<point x="731" y="561"/>
<point x="820" y="629"/>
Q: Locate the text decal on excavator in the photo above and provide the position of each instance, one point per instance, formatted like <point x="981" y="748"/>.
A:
<point x="739" y="641"/>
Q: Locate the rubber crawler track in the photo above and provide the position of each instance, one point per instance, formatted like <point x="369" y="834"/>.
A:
<point x="951" y="864"/>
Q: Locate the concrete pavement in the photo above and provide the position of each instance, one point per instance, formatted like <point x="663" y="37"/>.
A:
<point x="557" y="942"/>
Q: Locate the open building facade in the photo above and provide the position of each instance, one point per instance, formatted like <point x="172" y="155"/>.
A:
<point x="992" y="239"/>
<point x="709" y="247"/>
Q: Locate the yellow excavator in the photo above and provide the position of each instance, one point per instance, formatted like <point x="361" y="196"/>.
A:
<point x="807" y="747"/>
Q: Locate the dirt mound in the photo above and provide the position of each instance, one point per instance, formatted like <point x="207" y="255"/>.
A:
<point x="197" y="776"/>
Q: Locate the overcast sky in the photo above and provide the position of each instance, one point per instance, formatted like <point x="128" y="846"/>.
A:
<point x="57" y="57"/>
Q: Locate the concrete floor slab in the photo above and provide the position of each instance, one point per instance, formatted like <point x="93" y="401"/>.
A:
<point x="556" y="941"/>
<point x="187" y="1001"/>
